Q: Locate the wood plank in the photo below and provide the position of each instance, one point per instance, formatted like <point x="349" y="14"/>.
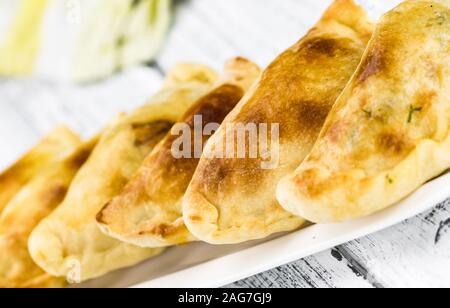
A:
<point x="30" y="108"/>
<point x="211" y="32"/>
<point x="415" y="253"/>
<point x="320" y="271"/>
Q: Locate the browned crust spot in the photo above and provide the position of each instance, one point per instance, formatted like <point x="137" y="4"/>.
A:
<point x="335" y="132"/>
<point x="149" y="134"/>
<point x="328" y="47"/>
<point x="215" y="106"/>
<point x="100" y="216"/>
<point x="306" y="182"/>
<point x="311" y="115"/>
<point x="372" y="65"/>
<point x="162" y="230"/>
<point x="54" y="195"/>
<point x="78" y="160"/>
<point x="195" y="218"/>
<point x="391" y="143"/>
<point x="424" y="99"/>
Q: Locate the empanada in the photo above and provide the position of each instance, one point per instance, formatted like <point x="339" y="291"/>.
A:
<point x="389" y="131"/>
<point x="69" y="242"/>
<point x="231" y="199"/>
<point x="35" y="201"/>
<point x="53" y="147"/>
<point x="148" y="212"/>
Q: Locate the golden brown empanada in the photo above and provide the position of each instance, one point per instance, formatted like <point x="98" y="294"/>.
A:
<point x="56" y="145"/>
<point x="35" y="201"/>
<point x="233" y="200"/>
<point x="389" y="132"/>
<point x="148" y="212"/>
<point x="69" y="242"/>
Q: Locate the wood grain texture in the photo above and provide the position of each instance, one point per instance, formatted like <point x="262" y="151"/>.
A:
<point x="323" y="270"/>
<point x="30" y="108"/>
<point x="213" y="31"/>
<point x="413" y="253"/>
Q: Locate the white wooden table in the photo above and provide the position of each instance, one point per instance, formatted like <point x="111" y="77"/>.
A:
<point x="413" y="254"/>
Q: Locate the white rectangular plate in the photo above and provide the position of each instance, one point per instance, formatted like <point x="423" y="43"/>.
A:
<point x="201" y="265"/>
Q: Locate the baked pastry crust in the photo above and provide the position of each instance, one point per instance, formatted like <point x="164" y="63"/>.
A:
<point x="388" y="133"/>
<point x="69" y="242"/>
<point x="53" y="147"/>
<point x="35" y="201"/>
<point x="234" y="200"/>
<point x="148" y="212"/>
